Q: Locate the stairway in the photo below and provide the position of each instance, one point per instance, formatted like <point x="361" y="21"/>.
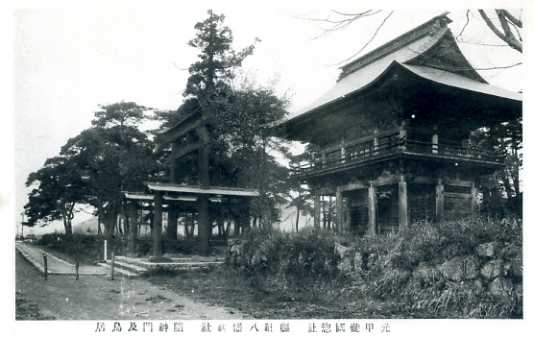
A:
<point x="124" y="268"/>
<point x="134" y="267"/>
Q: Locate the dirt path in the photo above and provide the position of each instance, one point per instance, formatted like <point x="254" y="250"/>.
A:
<point x="98" y="298"/>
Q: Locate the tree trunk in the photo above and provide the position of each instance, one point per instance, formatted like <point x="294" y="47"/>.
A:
<point x="297" y="220"/>
<point x="99" y="226"/>
<point x="68" y="227"/>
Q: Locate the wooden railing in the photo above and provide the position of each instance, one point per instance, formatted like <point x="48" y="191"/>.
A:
<point x="383" y="146"/>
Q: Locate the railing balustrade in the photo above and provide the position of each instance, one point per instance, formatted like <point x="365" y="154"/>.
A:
<point x="384" y="145"/>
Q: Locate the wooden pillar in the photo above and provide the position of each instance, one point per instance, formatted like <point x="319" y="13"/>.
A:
<point x="172" y="166"/>
<point x="204" y="224"/>
<point x="474" y="199"/>
<point x="317" y="210"/>
<point x="339" y="211"/>
<point x="342" y="147"/>
<point x="347" y="224"/>
<point x="131" y="214"/>
<point x="435" y="140"/>
<point x="440" y="200"/>
<point x="156" y="227"/>
<point x="375" y="142"/>
<point x="172" y="223"/>
<point x="403" y="134"/>
<point x="403" y="203"/>
<point x="371" y="208"/>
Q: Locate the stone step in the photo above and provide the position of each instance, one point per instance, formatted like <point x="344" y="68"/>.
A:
<point x="175" y="265"/>
<point x="119" y="271"/>
<point x="125" y="265"/>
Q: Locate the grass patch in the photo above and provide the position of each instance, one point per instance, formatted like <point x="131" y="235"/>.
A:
<point x="222" y="286"/>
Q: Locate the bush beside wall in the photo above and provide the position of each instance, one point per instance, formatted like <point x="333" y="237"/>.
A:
<point x="470" y="268"/>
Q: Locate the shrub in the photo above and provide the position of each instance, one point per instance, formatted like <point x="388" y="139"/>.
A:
<point x="282" y="260"/>
<point x="401" y="269"/>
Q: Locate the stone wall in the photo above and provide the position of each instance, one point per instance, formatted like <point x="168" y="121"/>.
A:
<point x="460" y="269"/>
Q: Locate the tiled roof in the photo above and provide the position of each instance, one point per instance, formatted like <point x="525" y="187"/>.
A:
<point x="415" y="51"/>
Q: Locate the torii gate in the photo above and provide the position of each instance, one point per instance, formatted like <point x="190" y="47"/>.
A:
<point x="194" y="123"/>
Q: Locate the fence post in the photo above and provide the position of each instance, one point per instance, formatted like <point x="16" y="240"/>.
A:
<point x="45" y="265"/>
<point x="112" y="265"/>
<point x="77" y="268"/>
<point x="105" y="250"/>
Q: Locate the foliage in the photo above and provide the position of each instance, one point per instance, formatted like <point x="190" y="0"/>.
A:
<point x="115" y="156"/>
<point x="87" y="248"/>
<point x="427" y="245"/>
<point x="272" y="258"/>
<point x="399" y="271"/>
<point x="208" y="80"/>
<point x="502" y="191"/>
<point x="237" y="119"/>
<point x="60" y="187"/>
<point x="94" y="167"/>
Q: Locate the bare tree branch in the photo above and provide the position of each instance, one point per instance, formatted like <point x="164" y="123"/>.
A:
<point x="351" y="14"/>
<point x="511" y="39"/>
<point x="370" y="40"/>
<point x="465" y="26"/>
<point x="513" y="19"/>
<point x="503" y="36"/>
<point x="483" y="43"/>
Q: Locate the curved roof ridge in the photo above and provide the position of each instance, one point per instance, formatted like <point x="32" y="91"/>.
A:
<point x="429" y="27"/>
<point x="450" y="79"/>
<point x="446" y="55"/>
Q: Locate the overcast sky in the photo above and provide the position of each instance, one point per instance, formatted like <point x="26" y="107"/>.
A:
<point x="70" y="60"/>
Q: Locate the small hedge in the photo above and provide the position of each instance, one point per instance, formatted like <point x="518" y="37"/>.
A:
<point x="281" y="260"/>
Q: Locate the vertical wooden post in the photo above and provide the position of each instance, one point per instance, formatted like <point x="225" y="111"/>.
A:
<point x="339" y="210"/>
<point x="371" y="199"/>
<point x="77" y="268"/>
<point x="156" y="227"/>
<point x="440" y="200"/>
<point x="474" y="199"/>
<point x="172" y="166"/>
<point x="347" y="221"/>
<point x="316" y="210"/>
<point x="342" y="147"/>
<point x="435" y="140"/>
<point x="403" y="135"/>
<point x="403" y="203"/>
<point x="131" y="214"/>
<point x="172" y="223"/>
<point x="105" y="250"/>
<point x="204" y="224"/>
<point x="112" y="264"/>
<point x="375" y="143"/>
<point x="45" y="265"/>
